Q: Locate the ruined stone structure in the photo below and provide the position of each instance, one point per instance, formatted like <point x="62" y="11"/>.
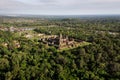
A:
<point x="65" y="42"/>
<point x="59" y="42"/>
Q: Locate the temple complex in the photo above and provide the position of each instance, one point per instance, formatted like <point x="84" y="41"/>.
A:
<point x="60" y="42"/>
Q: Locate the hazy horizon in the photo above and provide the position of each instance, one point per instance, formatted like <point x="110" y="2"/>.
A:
<point x="60" y="14"/>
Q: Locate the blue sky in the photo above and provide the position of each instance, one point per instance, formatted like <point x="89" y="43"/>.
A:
<point x="60" y="7"/>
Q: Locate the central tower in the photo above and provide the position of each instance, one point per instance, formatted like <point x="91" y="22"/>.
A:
<point x="60" y="40"/>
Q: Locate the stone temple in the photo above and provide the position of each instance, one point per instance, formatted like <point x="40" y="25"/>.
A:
<point x="60" y="42"/>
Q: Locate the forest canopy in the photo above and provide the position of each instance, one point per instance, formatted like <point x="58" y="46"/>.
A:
<point x="24" y="58"/>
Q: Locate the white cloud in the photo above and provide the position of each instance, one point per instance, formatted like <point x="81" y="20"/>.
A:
<point x="60" y="6"/>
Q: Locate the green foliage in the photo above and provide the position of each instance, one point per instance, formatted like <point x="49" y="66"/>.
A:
<point x="34" y="60"/>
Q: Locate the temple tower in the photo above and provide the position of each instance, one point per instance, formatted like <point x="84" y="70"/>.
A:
<point x="60" y="40"/>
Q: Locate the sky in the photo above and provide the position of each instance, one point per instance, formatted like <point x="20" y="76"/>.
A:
<point x="60" y="7"/>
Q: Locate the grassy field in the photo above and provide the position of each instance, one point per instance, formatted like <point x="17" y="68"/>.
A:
<point x="81" y="44"/>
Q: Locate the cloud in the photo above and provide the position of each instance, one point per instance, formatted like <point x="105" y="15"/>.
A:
<point x="60" y="6"/>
